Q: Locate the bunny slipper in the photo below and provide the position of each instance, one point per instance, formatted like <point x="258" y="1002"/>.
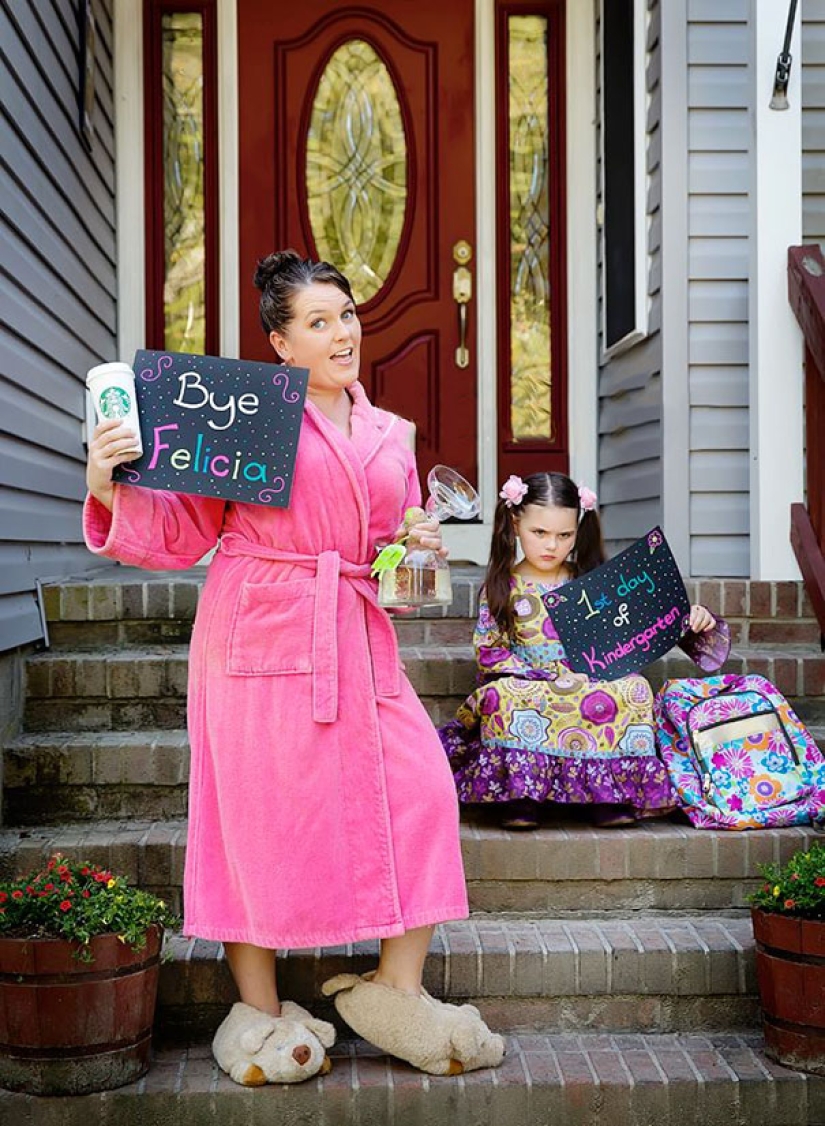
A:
<point x="433" y="1036"/>
<point x="254" y="1048"/>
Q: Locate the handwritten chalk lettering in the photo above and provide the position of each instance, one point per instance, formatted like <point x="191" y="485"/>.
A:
<point x="586" y="601"/>
<point x="194" y="396"/>
<point x="642" y="640"/>
<point x="627" y="586"/>
<point x="202" y="460"/>
<point x="617" y="618"/>
<point x="622" y="618"/>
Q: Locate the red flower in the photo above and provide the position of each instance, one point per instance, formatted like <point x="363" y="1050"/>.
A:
<point x="66" y="905"/>
<point x="85" y="871"/>
<point x="86" y="893"/>
<point x="790" y="904"/>
<point x="51" y="864"/>
<point x="794" y="875"/>
<point x="62" y="870"/>
<point x="17" y="895"/>
<point x="48" y="887"/>
<point x="3" y="897"/>
<point x="820" y="881"/>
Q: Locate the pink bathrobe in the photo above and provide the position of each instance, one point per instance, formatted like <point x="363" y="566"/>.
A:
<point x="322" y="810"/>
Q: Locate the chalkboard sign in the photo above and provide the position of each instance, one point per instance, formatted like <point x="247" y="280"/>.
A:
<point x="620" y="617"/>
<point x="217" y="427"/>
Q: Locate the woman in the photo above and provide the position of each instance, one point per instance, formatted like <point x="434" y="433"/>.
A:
<point x="321" y="807"/>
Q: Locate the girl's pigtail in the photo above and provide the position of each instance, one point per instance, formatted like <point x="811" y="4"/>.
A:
<point x="589" y="543"/>
<point x="500" y="568"/>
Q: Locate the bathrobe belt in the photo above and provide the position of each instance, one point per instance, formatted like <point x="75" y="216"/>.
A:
<point x="330" y="570"/>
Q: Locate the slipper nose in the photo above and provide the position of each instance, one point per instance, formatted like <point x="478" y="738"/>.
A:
<point x="301" y="1054"/>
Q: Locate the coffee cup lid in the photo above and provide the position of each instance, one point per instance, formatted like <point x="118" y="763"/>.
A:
<point x="115" y="368"/>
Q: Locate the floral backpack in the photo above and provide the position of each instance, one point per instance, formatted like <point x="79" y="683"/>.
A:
<point x="737" y="755"/>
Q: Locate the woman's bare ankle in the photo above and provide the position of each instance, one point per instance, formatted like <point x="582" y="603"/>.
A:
<point x="403" y="985"/>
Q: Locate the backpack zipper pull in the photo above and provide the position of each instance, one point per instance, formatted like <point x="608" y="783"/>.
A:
<point x="706" y="784"/>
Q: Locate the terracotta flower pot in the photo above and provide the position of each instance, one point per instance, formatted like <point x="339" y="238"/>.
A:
<point x="69" y="1027"/>
<point x="790" y="969"/>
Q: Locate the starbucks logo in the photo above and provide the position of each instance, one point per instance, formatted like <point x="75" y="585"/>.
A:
<point x="114" y="403"/>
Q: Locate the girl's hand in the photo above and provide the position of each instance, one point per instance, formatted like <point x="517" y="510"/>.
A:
<point x="112" y="443"/>
<point x="701" y="619"/>
<point x="426" y="534"/>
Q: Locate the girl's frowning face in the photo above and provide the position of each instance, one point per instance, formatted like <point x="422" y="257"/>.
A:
<point x="323" y="335"/>
<point x="547" y="535"/>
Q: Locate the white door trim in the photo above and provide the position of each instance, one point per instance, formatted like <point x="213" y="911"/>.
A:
<point x="130" y="205"/>
<point x="775" y="342"/>
<point x="465" y="541"/>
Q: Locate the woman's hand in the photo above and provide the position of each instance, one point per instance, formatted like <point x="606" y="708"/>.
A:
<point x="701" y="619"/>
<point x="112" y="443"/>
<point x="426" y="534"/>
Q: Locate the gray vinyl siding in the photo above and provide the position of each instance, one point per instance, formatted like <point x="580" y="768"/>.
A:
<point x="57" y="292"/>
<point x="719" y="172"/>
<point x="630" y="395"/>
<point x="813" y="121"/>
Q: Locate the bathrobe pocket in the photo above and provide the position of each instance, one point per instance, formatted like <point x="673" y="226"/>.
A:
<point x="271" y="630"/>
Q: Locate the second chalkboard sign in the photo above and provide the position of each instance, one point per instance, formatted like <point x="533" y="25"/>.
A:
<point x="615" y="620"/>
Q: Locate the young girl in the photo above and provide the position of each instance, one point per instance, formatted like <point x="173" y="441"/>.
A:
<point x="535" y="731"/>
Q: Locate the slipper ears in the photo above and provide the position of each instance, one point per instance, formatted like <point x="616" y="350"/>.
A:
<point x="340" y="982"/>
<point x="322" y="1029"/>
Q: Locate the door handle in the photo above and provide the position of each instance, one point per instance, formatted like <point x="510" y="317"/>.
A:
<point x="462" y="294"/>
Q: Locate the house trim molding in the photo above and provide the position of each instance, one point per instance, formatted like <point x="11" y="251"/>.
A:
<point x="775" y="342"/>
<point x="675" y="453"/>
<point x="129" y="178"/>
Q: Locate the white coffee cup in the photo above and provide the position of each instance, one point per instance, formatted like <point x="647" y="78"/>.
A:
<point x="112" y="387"/>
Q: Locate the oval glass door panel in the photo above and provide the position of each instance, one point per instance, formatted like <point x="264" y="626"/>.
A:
<point x="356" y="173"/>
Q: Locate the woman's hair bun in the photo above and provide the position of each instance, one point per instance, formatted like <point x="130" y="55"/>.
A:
<point x="274" y="264"/>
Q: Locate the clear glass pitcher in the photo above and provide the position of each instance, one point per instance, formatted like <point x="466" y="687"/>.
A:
<point x="419" y="576"/>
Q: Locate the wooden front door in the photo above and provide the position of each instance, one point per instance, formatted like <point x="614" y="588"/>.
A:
<point x="356" y="145"/>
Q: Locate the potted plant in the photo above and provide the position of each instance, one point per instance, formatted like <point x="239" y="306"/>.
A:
<point x="788" y="913"/>
<point x="79" y="959"/>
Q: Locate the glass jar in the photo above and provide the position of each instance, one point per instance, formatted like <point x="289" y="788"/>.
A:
<point x="422" y="578"/>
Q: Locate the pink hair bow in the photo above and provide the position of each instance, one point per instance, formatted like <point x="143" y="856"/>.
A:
<point x="587" y="498"/>
<point x="513" y="491"/>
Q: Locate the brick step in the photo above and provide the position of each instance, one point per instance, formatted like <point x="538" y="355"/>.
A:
<point x="567" y="868"/>
<point x="127" y="606"/>
<point x="133" y="633"/>
<point x="86" y="776"/>
<point x="569" y="1079"/>
<point x="642" y="975"/>
<point x="131" y="689"/>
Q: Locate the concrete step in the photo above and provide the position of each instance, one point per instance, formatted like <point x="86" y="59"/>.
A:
<point x="85" y="776"/>
<point x="567" y="868"/>
<point x="643" y="975"/>
<point x="129" y="689"/>
<point x="569" y="1079"/>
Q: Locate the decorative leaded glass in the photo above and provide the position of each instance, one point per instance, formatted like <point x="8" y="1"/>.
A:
<point x="184" y="216"/>
<point x="356" y="170"/>
<point x="530" y="375"/>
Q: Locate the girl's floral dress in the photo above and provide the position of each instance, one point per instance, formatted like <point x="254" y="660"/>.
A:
<point x="536" y="729"/>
